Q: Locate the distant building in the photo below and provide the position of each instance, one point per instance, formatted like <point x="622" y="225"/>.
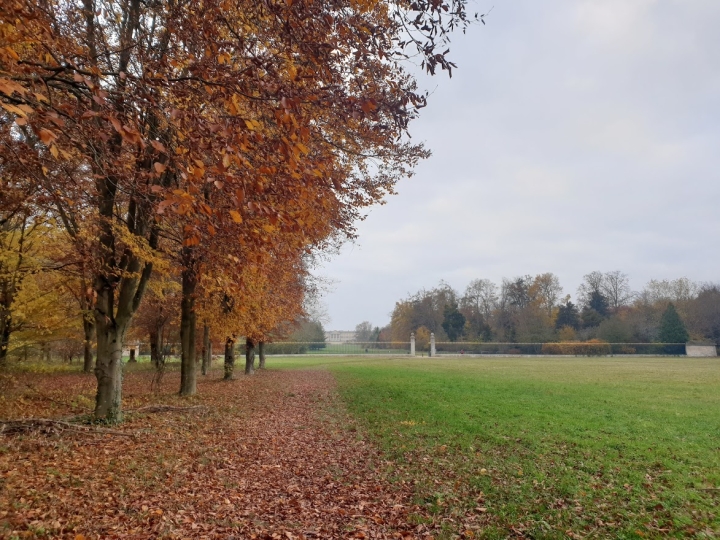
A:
<point x="339" y="336"/>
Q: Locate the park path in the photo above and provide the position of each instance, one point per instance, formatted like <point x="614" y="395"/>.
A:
<point x="310" y="475"/>
<point x="271" y="456"/>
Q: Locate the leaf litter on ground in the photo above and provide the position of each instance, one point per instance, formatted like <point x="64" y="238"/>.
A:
<point x="266" y="457"/>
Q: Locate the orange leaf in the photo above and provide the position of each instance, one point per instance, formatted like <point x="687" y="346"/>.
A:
<point x="159" y="167"/>
<point x="7" y="87"/>
<point x="157" y="145"/>
<point x="47" y="136"/>
<point x="236" y="217"/>
<point x="116" y="124"/>
<point x="13" y="109"/>
<point x="162" y="206"/>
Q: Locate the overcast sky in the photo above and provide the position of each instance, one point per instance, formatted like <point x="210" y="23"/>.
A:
<point x="574" y="136"/>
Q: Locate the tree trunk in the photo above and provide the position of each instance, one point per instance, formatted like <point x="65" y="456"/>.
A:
<point x="132" y="359"/>
<point x="229" y="358"/>
<point x="154" y="348"/>
<point x="89" y="330"/>
<point x="261" y="354"/>
<point x="206" y="350"/>
<point x="249" y="356"/>
<point x="109" y="372"/>
<point x="188" y="323"/>
<point x="4" y="337"/>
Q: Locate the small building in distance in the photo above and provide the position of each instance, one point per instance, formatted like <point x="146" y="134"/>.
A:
<point x="339" y="336"/>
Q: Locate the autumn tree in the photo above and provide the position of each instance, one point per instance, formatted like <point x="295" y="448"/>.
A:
<point x="704" y="313"/>
<point x="424" y="308"/>
<point x="36" y="291"/>
<point x="545" y="290"/>
<point x="292" y="112"/>
<point x="478" y="305"/>
<point x="157" y="316"/>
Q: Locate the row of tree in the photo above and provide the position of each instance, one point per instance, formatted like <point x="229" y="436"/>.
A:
<point x="533" y="309"/>
<point x="180" y="159"/>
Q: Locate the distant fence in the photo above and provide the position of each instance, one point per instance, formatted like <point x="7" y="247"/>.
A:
<point x="300" y="347"/>
<point x="572" y="348"/>
<point x="318" y="347"/>
<point x="451" y="348"/>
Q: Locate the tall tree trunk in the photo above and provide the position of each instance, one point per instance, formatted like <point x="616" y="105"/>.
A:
<point x="117" y="301"/>
<point x="249" y="356"/>
<point x="229" y="358"/>
<point x="261" y="354"/>
<point x="155" y="348"/>
<point x="188" y="324"/>
<point x="4" y="337"/>
<point x="206" y="349"/>
<point x="89" y="330"/>
<point x="109" y="372"/>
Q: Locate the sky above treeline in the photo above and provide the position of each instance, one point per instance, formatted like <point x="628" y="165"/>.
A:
<point x="574" y="136"/>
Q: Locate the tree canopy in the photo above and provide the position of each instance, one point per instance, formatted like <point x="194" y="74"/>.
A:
<point x="213" y="144"/>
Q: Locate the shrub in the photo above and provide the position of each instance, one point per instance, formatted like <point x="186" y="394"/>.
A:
<point x="593" y="347"/>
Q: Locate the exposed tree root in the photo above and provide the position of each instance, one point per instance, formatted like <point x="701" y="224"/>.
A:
<point x="53" y="427"/>
<point x="166" y="408"/>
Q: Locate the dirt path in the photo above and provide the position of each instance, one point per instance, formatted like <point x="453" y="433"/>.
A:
<point x="271" y="457"/>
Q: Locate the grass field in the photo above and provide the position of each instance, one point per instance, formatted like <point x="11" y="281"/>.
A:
<point x="546" y="448"/>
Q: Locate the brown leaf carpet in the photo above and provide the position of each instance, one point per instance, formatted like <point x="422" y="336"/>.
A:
<point x="271" y="456"/>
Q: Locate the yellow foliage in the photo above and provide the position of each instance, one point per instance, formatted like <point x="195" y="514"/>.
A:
<point x="593" y="347"/>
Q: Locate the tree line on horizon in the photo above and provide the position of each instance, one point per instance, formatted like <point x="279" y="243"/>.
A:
<point x="534" y="309"/>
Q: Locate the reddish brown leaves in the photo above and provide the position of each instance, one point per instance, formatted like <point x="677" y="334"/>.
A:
<point x="271" y="457"/>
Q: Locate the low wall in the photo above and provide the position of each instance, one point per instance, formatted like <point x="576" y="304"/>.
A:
<point x="701" y="350"/>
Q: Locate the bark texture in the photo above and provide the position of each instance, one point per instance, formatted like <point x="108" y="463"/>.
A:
<point x="229" y="358"/>
<point x="4" y="337"/>
<point x="88" y="359"/>
<point x="188" y="324"/>
<point x="109" y="373"/>
<point x="206" y="350"/>
<point x="261" y="355"/>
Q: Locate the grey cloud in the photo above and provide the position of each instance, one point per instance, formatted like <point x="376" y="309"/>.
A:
<point x="575" y="136"/>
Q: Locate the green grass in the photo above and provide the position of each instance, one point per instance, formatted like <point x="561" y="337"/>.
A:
<point x="547" y="448"/>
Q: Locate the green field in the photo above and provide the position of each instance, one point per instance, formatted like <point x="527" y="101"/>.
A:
<point x="546" y="448"/>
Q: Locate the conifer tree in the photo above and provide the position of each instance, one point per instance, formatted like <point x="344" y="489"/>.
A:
<point x="672" y="328"/>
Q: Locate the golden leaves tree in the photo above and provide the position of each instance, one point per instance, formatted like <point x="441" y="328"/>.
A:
<point x="269" y="125"/>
